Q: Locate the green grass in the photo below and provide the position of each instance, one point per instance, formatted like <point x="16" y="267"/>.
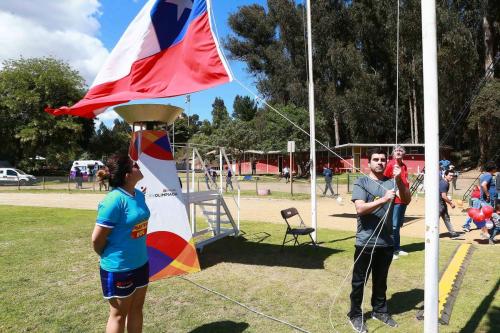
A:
<point x="50" y="283"/>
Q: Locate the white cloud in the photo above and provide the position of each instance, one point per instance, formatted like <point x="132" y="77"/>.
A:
<point x="63" y="29"/>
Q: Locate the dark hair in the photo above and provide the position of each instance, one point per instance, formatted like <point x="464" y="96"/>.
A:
<point x="447" y="172"/>
<point x="489" y="166"/>
<point x="374" y="151"/>
<point x="118" y="166"/>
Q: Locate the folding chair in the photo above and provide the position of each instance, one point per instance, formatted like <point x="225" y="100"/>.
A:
<point x="302" y="230"/>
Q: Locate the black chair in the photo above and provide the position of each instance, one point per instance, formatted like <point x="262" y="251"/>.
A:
<point x="302" y="230"/>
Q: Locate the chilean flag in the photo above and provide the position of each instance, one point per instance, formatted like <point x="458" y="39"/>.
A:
<point x="168" y="50"/>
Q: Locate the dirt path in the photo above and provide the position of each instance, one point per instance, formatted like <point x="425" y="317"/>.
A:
<point x="331" y="213"/>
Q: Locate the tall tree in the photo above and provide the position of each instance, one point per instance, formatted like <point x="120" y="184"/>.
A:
<point x="244" y="108"/>
<point x="219" y="113"/>
<point x="27" y="86"/>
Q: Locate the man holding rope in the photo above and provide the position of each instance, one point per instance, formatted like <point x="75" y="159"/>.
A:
<point x="372" y="195"/>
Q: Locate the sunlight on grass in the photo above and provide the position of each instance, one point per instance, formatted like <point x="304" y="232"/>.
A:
<point x="49" y="281"/>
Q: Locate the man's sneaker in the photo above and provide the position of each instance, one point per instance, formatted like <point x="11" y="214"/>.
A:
<point x="456" y="236"/>
<point x="466" y="229"/>
<point x="358" y="325"/>
<point x="491" y="242"/>
<point x="385" y="318"/>
<point x="402" y="253"/>
<point x="395" y="256"/>
<point x="484" y="236"/>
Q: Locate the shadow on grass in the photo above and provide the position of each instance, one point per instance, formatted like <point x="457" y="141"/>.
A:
<point x="405" y="301"/>
<point x="482" y="310"/>
<point x="413" y="247"/>
<point x="245" y="250"/>
<point x="225" y="326"/>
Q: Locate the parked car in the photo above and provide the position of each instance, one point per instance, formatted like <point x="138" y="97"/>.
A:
<point x="11" y="176"/>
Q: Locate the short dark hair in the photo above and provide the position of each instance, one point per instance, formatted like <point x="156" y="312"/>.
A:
<point x="118" y="166"/>
<point x="374" y="151"/>
<point x="447" y="172"/>
<point x="489" y="166"/>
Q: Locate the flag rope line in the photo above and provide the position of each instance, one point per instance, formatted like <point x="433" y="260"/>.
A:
<point x="243" y="305"/>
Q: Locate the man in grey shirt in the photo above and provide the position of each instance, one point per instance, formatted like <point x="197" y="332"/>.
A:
<point x="372" y="195"/>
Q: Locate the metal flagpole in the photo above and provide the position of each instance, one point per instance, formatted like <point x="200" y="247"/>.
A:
<point x="431" y="121"/>
<point x="312" y="130"/>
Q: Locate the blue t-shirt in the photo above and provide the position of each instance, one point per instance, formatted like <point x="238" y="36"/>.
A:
<point x="444" y="186"/>
<point x="128" y="216"/>
<point x="488" y="178"/>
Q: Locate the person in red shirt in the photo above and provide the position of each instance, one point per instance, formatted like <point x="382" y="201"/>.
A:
<point x="398" y="213"/>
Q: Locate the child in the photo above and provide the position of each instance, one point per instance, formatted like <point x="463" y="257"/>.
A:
<point x="495" y="218"/>
<point x="476" y="203"/>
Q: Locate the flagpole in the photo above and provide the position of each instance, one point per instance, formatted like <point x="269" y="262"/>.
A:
<point x="312" y="131"/>
<point x="431" y="129"/>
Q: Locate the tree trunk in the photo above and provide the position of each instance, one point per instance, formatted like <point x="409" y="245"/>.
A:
<point x="411" y="120"/>
<point x="336" y="126"/>
<point x="483" y="142"/>
<point x="415" y="114"/>
<point x="488" y="42"/>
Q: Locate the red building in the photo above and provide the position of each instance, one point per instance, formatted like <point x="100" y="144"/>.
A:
<point x="346" y="158"/>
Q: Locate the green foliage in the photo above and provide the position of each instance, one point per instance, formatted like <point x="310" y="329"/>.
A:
<point x="485" y="116"/>
<point x="354" y="54"/>
<point x="107" y="141"/>
<point x="219" y="113"/>
<point x="244" y="108"/>
<point x="27" y="86"/>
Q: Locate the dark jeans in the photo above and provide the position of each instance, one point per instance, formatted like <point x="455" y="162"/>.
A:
<point x="382" y="258"/>
<point x="493" y="232"/>
<point x="328" y="186"/>
<point x="398" y="216"/>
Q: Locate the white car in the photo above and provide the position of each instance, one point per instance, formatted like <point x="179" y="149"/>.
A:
<point x="11" y="176"/>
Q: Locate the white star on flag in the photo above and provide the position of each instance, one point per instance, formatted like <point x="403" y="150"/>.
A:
<point x="182" y="5"/>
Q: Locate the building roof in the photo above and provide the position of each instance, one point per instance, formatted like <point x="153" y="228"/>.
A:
<point x="347" y="145"/>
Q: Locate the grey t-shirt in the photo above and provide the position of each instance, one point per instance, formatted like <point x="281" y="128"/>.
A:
<point x="368" y="190"/>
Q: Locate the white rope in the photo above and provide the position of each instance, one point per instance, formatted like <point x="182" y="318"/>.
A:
<point x="243" y="305"/>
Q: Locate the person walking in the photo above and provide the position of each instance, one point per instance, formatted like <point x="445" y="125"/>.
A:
<point x="444" y="200"/>
<point x="328" y="174"/>
<point x="372" y="196"/>
<point x="119" y="238"/>
<point x="398" y="213"/>
<point x="229" y="178"/>
<point x="286" y="173"/>
<point x="487" y="184"/>
<point x="208" y="176"/>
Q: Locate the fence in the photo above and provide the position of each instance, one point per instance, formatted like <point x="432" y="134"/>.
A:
<point x="61" y="183"/>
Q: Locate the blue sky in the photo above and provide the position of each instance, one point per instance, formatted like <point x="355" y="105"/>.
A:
<point x="117" y="14"/>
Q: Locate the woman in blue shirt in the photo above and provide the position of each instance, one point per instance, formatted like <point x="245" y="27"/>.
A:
<point x="119" y="238"/>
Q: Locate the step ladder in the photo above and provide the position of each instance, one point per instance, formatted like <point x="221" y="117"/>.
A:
<point x="220" y="222"/>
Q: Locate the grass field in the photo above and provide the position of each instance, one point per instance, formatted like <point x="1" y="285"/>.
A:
<point x="49" y="282"/>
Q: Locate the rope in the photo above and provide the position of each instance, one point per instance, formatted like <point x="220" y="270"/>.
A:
<point x="243" y="305"/>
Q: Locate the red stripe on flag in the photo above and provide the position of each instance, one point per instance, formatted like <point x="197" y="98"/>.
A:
<point x="189" y="66"/>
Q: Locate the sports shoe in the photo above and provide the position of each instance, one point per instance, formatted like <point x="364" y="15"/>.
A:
<point x="385" y="318"/>
<point x="456" y="236"/>
<point x="484" y="236"/>
<point x="395" y="257"/>
<point x="402" y="253"/>
<point x="358" y="325"/>
<point x="466" y="229"/>
<point x="491" y="242"/>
